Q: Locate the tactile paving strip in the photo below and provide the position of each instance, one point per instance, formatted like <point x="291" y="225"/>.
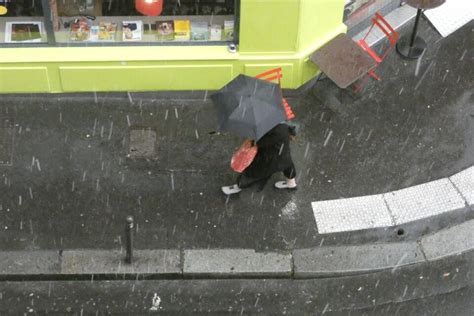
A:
<point x="351" y="214"/>
<point x="464" y="181"/>
<point x="423" y="201"/>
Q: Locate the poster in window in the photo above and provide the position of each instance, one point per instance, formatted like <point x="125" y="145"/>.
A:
<point x="132" y="30"/>
<point x="23" y="32"/>
<point x="165" y="30"/>
<point x="80" y="30"/>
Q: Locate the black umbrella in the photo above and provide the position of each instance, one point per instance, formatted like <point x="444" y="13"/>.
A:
<point x="249" y="107"/>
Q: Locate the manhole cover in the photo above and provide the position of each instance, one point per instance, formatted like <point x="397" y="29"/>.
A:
<point x="142" y="143"/>
<point x="6" y="142"/>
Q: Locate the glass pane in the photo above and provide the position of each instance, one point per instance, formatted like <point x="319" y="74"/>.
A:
<point x="21" y="21"/>
<point x="143" y="21"/>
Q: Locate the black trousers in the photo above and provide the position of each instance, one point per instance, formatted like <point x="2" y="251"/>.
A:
<point x="290" y="172"/>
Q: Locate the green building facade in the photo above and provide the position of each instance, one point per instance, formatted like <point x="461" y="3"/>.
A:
<point x="269" y="34"/>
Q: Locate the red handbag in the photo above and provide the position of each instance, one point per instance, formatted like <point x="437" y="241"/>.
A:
<point x="244" y="156"/>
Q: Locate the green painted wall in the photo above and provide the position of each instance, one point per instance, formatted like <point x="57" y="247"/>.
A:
<point x="269" y="26"/>
<point x="24" y="79"/>
<point x="273" y="33"/>
<point x="318" y="20"/>
<point x="138" y="77"/>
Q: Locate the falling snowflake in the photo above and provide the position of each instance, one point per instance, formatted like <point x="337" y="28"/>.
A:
<point x="156" y="301"/>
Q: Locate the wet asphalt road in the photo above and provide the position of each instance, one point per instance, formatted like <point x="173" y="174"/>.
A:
<point x="436" y="288"/>
<point x="70" y="184"/>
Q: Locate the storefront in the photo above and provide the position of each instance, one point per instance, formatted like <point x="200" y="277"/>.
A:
<point x="146" y="45"/>
<point x="358" y="13"/>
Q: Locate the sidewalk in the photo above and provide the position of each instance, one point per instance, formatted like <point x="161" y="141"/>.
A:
<point x="69" y="176"/>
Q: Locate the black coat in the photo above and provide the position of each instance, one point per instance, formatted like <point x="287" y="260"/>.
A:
<point x="273" y="153"/>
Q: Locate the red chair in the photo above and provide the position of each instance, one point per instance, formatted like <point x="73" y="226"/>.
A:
<point x="276" y="75"/>
<point x="392" y="36"/>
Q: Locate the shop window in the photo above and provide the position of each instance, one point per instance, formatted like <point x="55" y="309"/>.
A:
<point x="149" y="22"/>
<point x="22" y="22"/>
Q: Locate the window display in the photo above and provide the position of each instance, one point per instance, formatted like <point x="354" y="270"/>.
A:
<point x="147" y="21"/>
<point x="21" y="22"/>
<point x="110" y="22"/>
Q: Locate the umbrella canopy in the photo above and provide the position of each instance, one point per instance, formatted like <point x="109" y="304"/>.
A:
<point x="249" y="107"/>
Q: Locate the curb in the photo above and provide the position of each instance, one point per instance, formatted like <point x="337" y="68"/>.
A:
<point x="351" y="260"/>
<point x="449" y="242"/>
<point x="336" y="261"/>
<point x="220" y="263"/>
<point x="156" y="262"/>
<point x="29" y="262"/>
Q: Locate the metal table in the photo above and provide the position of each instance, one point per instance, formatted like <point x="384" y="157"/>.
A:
<point x="343" y="61"/>
<point x="415" y="46"/>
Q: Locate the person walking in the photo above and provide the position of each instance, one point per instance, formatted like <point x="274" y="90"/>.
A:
<point x="273" y="156"/>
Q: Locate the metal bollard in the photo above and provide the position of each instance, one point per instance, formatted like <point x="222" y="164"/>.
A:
<point x="129" y="239"/>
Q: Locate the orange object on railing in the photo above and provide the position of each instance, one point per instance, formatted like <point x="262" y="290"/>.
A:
<point x="272" y="75"/>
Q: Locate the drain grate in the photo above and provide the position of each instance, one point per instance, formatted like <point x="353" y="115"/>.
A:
<point x="6" y="142"/>
<point x="142" y="143"/>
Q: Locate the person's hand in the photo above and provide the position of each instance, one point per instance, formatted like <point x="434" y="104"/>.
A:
<point x="292" y="130"/>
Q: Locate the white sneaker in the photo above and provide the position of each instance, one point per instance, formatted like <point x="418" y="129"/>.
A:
<point x="285" y="185"/>
<point x="231" y="189"/>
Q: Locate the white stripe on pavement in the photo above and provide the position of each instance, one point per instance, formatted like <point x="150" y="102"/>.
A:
<point x="424" y="200"/>
<point x="351" y="214"/>
<point x="464" y="182"/>
<point x="397" y="207"/>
